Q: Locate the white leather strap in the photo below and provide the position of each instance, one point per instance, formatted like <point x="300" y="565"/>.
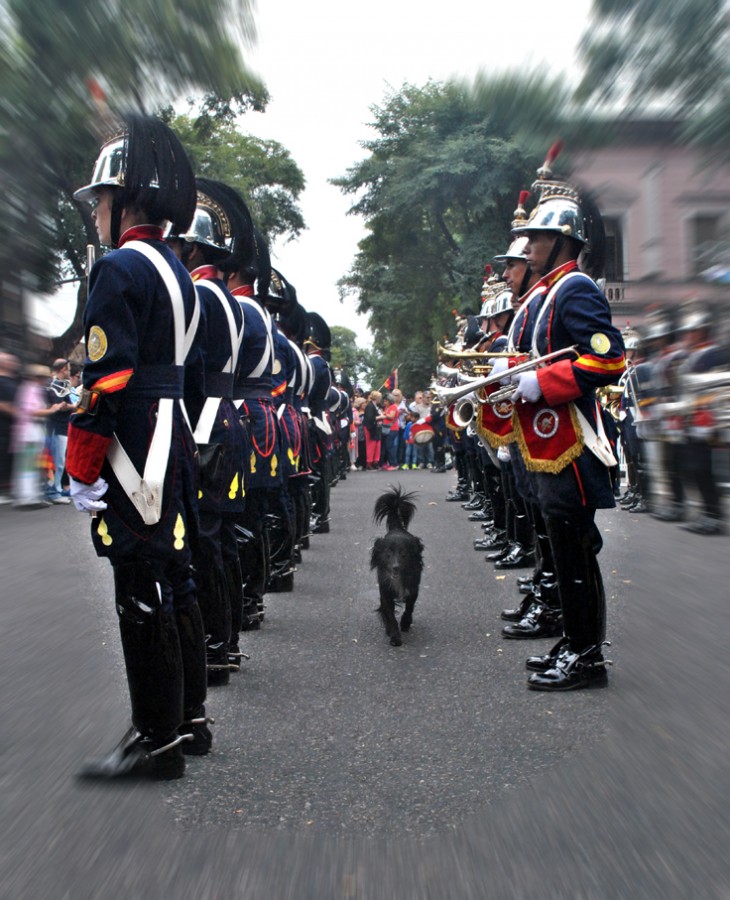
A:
<point x="145" y="491"/>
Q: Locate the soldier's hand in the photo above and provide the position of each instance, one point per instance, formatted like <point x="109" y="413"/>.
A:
<point x="528" y="387"/>
<point x="86" y="497"/>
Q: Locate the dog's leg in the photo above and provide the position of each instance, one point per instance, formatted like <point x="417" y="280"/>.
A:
<point x="387" y="611"/>
<point x="407" y="618"/>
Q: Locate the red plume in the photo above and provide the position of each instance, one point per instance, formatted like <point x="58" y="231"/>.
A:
<point x="488" y="270"/>
<point x="524" y="197"/>
<point x="553" y="153"/>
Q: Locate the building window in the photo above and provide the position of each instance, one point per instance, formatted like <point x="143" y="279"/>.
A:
<point x="705" y="239"/>
<point x="614" y="249"/>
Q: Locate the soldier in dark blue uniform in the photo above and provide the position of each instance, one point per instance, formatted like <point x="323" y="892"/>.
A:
<point x="283" y="530"/>
<point x="249" y="284"/>
<point x="558" y="424"/>
<point x="317" y="346"/>
<point x="130" y="442"/>
<point x="217" y="428"/>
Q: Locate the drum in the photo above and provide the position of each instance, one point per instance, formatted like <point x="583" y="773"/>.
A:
<point x="422" y="432"/>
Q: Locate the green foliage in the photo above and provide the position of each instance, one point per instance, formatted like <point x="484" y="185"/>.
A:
<point x="261" y="170"/>
<point x="437" y="192"/>
<point x="358" y="362"/>
<point x="648" y="55"/>
<point x="142" y="53"/>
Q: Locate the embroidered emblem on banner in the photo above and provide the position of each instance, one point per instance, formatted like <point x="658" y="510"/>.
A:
<point x="96" y="345"/>
<point x="545" y="423"/>
<point x="600" y="343"/>
<point x="503" y="409"/>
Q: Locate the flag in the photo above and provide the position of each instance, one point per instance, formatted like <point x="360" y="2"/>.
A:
<point x="391" y="382"/>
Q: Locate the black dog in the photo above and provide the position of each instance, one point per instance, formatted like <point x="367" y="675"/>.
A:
<point x="398" y="557"/>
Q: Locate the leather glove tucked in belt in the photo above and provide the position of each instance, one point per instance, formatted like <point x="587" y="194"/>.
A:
<point x="86" y="497"/>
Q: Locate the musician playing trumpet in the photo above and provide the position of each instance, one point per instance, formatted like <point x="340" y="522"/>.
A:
<point x="558" y="426"/>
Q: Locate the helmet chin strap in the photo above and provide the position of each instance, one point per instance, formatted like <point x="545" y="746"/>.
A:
<point x="553" y="255"/>
<point x="116" y="218"/>
<point x="525" y="281"/>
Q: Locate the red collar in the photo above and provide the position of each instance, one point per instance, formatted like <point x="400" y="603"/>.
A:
<point x="245" y="290"/>
<point x="556" y="274"/>
<point x="207" y="272"/>
<point x="141" y="233"/>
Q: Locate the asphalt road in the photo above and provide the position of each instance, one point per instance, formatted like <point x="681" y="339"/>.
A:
<point x="346" y="768"/>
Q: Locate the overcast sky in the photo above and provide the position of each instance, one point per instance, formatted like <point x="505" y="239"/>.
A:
<point x="325" y="63"/>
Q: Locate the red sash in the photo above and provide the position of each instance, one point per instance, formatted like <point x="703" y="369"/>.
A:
<point x="549" y="438"/>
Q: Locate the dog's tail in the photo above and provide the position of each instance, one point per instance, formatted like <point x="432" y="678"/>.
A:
<point x="397" y="507"/>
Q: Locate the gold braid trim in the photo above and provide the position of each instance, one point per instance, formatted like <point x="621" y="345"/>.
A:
<point x="552" y="466"/>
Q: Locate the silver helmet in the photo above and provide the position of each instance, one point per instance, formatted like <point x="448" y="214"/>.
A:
<point x="516" y="250"/>
<point x="108" y="170"/>
<point x="558" y="207"/>
<point x="210" y="226"/>
<point x="502" y="302"/>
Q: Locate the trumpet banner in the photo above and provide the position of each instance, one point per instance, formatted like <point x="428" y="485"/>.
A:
<point x="549" y="438"/>
<point x="494" y="421"/>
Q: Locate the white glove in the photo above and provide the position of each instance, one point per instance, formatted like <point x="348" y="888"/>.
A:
<point x="86" y="496"/>
<point x="499" y="365"/>
<point x="528" y="387"/>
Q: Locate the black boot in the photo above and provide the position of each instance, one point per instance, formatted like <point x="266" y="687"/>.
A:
<point x="215" y="611"/>
<point x="580" y="663"/>
<point x="538" y="622"/>
<point x="153" y="659"/>
<point x="516" y="614"/>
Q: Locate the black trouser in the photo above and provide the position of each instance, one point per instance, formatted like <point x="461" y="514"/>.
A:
<point x="575" y="542"/>
<point x="163" y="644"/>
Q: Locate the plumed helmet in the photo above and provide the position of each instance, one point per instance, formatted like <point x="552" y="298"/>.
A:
<point x="487" y="310"/>
<point x="319" y="335"/>
<point x="295" y="324"/>
<point x="516" y="249"/>
<point x="211" y="226"/>
<point x="502" y="302"/>
<point x="282" y="296"/>
<point x="261" y="270"/>
<point x="564" y="210"/>
<point x="147" y="166"/>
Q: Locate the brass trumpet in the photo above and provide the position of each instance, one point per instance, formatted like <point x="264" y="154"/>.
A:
<point x="450" y="395"/>
<point x="473" y="354"/>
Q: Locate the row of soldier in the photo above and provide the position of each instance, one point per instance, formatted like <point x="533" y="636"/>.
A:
<point x="533" y="453"/>
<point x="673" y="411"/>
<point x="203" y="445"/>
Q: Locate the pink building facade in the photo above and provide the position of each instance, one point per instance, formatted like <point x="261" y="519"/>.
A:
<point x="667" y="217"/>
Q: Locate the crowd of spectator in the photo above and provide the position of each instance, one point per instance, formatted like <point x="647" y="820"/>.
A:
<point x="391" y="431"/>
<point x="35" y="404"/>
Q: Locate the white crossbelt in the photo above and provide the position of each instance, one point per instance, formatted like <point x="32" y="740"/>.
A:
<point x="595" y="441"/>
<point x="206" y="420"/>
<point x="145" y="491"/>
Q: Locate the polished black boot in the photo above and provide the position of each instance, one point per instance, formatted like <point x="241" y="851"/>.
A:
<point x="519" y="557"/>
<point x="215" y="610"/>
<point x="539" y="621"/>
<point x="501" y="553"/>
<point x="547" y="660"/>
<point x="153" y="660"/>
<point x="571" y="671"/>
<point x="517" y="613"/>
<point x="579" y="663"/>
<point x="234" y="588"/>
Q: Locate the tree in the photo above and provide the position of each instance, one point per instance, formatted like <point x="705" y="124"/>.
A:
<point x="649" y="57"/>
<point x="358" y="362"/>
<point x="437" y="192"/>
<point x="261" y="170"/>
<point x="143" y="54"/>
